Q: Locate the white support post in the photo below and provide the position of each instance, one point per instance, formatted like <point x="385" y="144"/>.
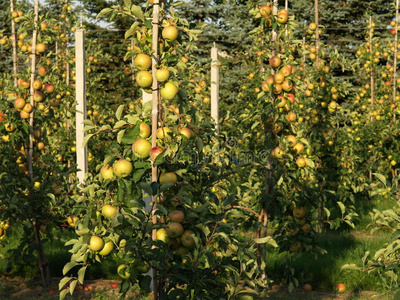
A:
<point x="81" y="152"/>
<point x="146" y="98"/>
<point x="215" y="86"/>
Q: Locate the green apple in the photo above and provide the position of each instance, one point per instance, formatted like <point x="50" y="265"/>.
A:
<point x="187" y="239"/>
<point x="141" y="148"/>
<point x="174" y="229"/>
<point x="169" y="90"/>
<point x="142" y="61"/>
<point x="168" y="177"/>
<point x="144" y="79"/>
<point x="108" y="247"/>
<point x="107" y="172"/>
<point x="122" y="167"/>
<point x="170" y="33"/>
<point x="109" y="211"/>
<point x="163" y="132"/>
<point x="162" y="75"/>
<point x="96" y="243"/>
<point x="123" y="271"/>
<point x="144" y="131"/>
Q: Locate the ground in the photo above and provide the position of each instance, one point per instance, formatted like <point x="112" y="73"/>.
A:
<point x="106" y="289"/>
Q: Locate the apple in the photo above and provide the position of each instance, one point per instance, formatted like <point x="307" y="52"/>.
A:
<point x="49" y="88"/>
<point x="169" y="90"/>
<point x="168" y="177"/>
<point x="187" y="239"/>
<point x="1" y="117"/>
<point x="286" y="70"/>
<point x="38" y="96"/>
<point x="142" y="61"/>
<point x="43" y="71"/>
<point x="292" y="139"/>
<point x="19" y="103"/>
<point x="24" y="115"/>
<point x="28" y="108"/>
<point x="170" y="33"/>
<point x="96" y="243"/>
<point x="294" y="247"/>
<point x="299" y="147"/>
<point x="14" y="14"/>
<point x="108" y="247"/>
<point x="122" y="167"/>
<point x="279" y="78"/>
<point x="299" y="212"/>
<point x="182" y="250"/>
<point x="275" y="61"/>
<point x="40" y="47"/>
<point x="162" y="74"/>
<point x="107" y="172"/>
<point x="141" y="148"/>
<point x="24" y="84"/>
<point x="71" y="220"/>
<point x="340" y="287"/>
<point x="144" y="130"/>
<point x="114" y="284"/>
<point x="277" y="153"/>
<point x="109" y="211"/>
<point x="163" y="132"/>
<point x="154" y="152"/>
<point x="306" y="228"/>
<point x="144" y="79"/>
<point x="186" y="132"/>
<point x="176" y="216"/>
<point x="162" y="235"/>
<point x="175" y="243"/>
<point x="265" y="10"/>
<point x="287" y="85"/>
<point x="37" y="85"/>
<point x="174" y="229"/>
<point x="291" y="117"/>
<point x="307" y="287"/>
<point x="123" y="271"/>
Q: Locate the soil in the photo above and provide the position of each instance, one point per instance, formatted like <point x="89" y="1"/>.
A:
<point x="102" y="289"/>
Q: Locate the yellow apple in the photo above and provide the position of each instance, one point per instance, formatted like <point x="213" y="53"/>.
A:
<point x="142" y="61"/>
<point x="162" y="74"/>
<point x="169" y="90"/>
<point x="122" y="167"/>
<point x="170" y="33"/>
<point x="144" y="79"/>
<point x="141" y="148"/>
<point x="109" y="211"/>
<point x="107" y="172"/>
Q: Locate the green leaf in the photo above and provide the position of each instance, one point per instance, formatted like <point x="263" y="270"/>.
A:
<point x="81" y="274"/>
<point x="381" y="177"/>
<point x="72" y="286"/>
<point x="127" y="3"/>
<point x="63" y="293"/>
<point x="104" y="12"/>
<point x="137" y="12"/>
<point x="63" y="282"/>
<point x="68" y="266"/>
<point x="349" y="267"/>
<point x="131" y="134"/>
<point x="132" y="30"/>
<point x="137" y="175"/>
<point x="86" y="139"/>
<point x="342" y="207"/>
<point x="166" y="186"/>
<point x="119" y="111"/>
<point x="266" y="240"/>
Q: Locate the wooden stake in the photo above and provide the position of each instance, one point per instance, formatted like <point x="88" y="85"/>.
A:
<point x="395" y="58"/>
<point x="372" y="80"/>
<point x="287" y="9"/>
<point x="154" y="123"/>
<point x="316" y="32"/>
<point x="215" y="87"/>
<point x="80" y="85"/>
<point x="14" y="45"/>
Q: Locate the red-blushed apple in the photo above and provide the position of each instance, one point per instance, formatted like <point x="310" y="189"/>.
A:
<point x="144" y="79"/>
<point x="122" y="167"/>
<point x="162" y="74"/>
<point x="287" y="85"/>
<point x="106" y="172"/>
<point x="2" y="118"/>
<point x="265" y="10"/>
<point x="168" y="177"/>
<point x="291" y="117"/>
<point x="142" y="61"/>
<point x="24" y="84"/>
<point x="37" y="85"/>
<point x="187" y="239"/>
<point x="170" y="33"/>
<point x="169" y="90"/>
<point x="286" y="70"/>
<point x="109" y="211"/>
<point x="19" y="103"/>
<point x="114" y="284"/>
<point x="307" y="287"/>
<point x="24" y="114"/>
<point x="154" y="152"/>
<point x="163" y="132"/>
<point x="38" y="96"/>
<point x="43" y="71"/>
<point x="48" y="88"/>
<point x="144" y="130"/>
<point x="291" y="98"/>
<point x="174" y="229"/>
<point x="340" y="287"/>
<point x="141" y="148"/>
<point x="275" y="61"/>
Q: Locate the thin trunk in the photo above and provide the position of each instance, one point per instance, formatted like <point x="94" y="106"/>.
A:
<point x="14" y="46"/>
<point x="316" y="33"/>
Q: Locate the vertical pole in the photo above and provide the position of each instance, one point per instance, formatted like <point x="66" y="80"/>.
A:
<point x="395" y="57"/>
<point x="154" y="124"/>
<point x="215" y="87"/>
<point x="81" y="151"/>
<point x="316" y="32"/>
<point x="14" y="45"/>
<point x="287" y="9"/>
<point x="372" y="81"/>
